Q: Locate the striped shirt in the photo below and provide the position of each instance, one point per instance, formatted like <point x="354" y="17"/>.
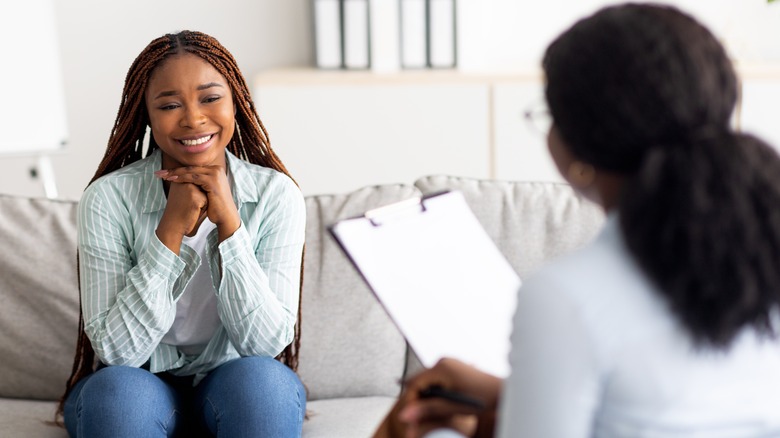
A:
<point x="130" y="281"/>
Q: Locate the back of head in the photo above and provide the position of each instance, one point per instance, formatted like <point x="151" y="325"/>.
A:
<point x="646" y="92"/>
<point x="634" y="76"/>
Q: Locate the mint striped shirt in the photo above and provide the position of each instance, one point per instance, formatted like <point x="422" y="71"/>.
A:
<point x="130" y="281"/>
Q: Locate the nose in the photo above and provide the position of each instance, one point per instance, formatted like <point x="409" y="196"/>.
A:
<point x="192" y="117"/>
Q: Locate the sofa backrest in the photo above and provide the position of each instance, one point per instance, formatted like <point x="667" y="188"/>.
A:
<point x="38" y="296"/>
<point x="349" y="347"/>
<point x="530" y="222"/>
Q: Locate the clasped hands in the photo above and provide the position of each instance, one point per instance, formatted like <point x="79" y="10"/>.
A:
<point x="195" y="192"/>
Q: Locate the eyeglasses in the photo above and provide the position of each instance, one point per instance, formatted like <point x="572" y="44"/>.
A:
<point x="538" y="118"/>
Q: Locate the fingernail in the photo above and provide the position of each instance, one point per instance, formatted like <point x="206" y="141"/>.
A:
<point x="172" y="178"/>
<point x="161" y="173"/>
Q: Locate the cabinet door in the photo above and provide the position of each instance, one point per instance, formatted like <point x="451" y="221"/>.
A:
<point x="337" y="137"/>
<point x="520" y="149"/>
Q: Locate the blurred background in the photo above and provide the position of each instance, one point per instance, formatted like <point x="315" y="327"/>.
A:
<point x="336" y="128"/>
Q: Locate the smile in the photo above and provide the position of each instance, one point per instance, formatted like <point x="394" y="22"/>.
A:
<point x="196" y="141"/>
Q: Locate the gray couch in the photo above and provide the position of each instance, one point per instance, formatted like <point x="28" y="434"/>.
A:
<point x="352" y="357"/>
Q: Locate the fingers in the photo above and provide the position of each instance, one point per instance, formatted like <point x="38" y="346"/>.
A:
<point x="454" y="375"/>
<point x="423" y="416"/>
<point x="213" y="182"/>
<point x="440" y="374"/>
<point x="465" y="426"/>
<point x="183" y="211"/>
<point x="205" y="177"/>
<point x="434" y="409"/>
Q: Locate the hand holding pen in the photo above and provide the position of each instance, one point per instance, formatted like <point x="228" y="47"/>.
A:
<point x="453" y="395"/>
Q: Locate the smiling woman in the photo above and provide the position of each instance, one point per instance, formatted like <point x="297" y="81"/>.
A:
<point x="191" y="112"/>
<point x="189" y="261"/>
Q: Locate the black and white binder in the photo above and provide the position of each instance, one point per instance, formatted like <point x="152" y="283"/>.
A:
<point x="385" y="36"/>
<point x="327" y="33"/>
<point x="414" y="29"/>
<point x="342" y="34"/>
<point x="357" y="52"/>
<point x="439" y="276"/>
<point x="441" y="34"/>
<point x="428" y="36"/>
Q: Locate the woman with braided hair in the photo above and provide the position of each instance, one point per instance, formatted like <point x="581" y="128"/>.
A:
<point x="190" y="252"/>
<point x="666" y="325"/>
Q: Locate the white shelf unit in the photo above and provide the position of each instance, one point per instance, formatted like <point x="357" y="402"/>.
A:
<point x="341" y="130"/>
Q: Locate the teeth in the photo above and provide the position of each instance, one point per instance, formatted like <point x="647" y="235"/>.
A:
<point x="196" y="142"/>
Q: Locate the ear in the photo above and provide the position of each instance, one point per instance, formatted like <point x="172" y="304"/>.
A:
<point x="581" y="175"/>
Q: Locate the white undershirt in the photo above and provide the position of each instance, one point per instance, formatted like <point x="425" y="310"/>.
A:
<point x="196" y="311"/>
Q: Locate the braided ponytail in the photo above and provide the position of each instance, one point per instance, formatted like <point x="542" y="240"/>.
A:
<point x="646" y="93"/>
<point x="702" y="222"/>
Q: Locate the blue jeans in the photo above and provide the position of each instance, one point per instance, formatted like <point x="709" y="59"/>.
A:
<point x="250" y="396"/>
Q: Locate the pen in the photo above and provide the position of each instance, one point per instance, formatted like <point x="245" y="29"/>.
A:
<point x="453" y="396"/>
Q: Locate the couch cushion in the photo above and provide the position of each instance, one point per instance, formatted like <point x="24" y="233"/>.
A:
<point x="346" y="418"/>
<point x="530" y="222"/>
<point x="343" y="418"/>
<point x="39" y="296"/>
<point x="29" y="418"/>
<point x="349" y="347"/>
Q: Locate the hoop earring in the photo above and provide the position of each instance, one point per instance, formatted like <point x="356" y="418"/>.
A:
<point x="581" y="175"/>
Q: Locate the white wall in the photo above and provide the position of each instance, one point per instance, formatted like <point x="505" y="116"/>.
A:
<point x="512" y="34"/>
<point x="98" y="41"/>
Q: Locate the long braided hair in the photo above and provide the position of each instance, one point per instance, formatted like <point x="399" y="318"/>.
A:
<point x="647" y="92"/>
<point x="250" y="142"/>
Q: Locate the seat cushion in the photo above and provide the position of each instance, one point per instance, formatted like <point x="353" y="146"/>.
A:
<point x="29" y="418"/>
<point x="349" y="346"/>
<point x="343" y="418"/>
<point x="347" y="417"/>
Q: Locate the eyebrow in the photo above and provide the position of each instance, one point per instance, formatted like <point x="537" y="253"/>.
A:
<point x="200" y="88"/>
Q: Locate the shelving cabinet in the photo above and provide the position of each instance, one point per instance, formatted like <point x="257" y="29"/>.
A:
<point x="341" y="130"/>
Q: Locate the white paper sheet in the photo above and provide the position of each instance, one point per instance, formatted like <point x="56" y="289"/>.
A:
<point x="439" y="276"/>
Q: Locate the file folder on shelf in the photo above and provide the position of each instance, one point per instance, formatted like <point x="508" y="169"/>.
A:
<point x="441" y="34"/>
<point x="385" y="35"/>
<point x="414" y="34"/>
<point x="428" y="34"/>
<point x="327" y="33"/>
<point x="356" y="34"/>
<point x="342" y="34"/>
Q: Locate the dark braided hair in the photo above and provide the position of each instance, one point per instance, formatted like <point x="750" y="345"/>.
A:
<point x="250" y="142"/>
<point x="647" y="92"/>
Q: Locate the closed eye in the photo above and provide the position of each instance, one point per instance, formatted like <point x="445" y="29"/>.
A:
<point x="211" y="99"/>
<point x="168" y="107"/>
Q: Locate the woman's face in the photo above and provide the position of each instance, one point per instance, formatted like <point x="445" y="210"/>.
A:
<point x="191" y="112"/>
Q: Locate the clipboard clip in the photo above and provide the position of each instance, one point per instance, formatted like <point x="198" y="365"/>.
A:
<point x="380" y="215"/>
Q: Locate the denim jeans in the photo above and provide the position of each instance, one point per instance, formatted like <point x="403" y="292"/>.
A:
<point x="250" y="396"/>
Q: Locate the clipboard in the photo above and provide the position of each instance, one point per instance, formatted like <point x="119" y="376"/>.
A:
<point x="439" y="276"/>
